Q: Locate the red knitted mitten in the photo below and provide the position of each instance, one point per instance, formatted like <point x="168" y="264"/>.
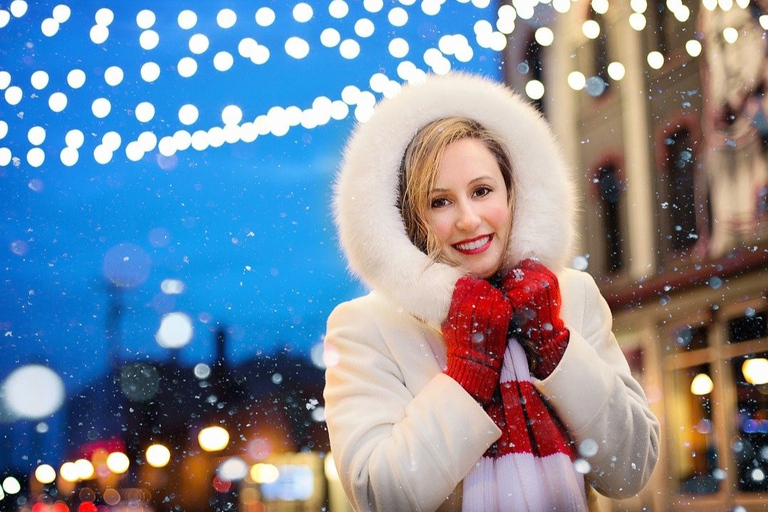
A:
<point x="475" y="333"/>
<point x="534" y="293"/>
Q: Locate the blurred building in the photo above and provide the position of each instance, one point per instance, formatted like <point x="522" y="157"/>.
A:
<point x="250" y="437"/>
<point x="661" y="107"/>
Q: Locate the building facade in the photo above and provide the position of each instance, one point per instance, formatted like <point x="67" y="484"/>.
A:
<point x="660" y="106"/>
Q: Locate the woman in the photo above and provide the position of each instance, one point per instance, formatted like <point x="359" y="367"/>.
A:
<point x="479" y="373"/>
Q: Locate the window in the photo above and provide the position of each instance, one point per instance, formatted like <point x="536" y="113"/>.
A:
<point x="751" y="326"/>
<point x="610" y="190"/>
<point x="750" y="446"/>
<point x="717" y="405"/>
<point x="680" y="205"/>
<point x="688" y="338"/>
<point x="697" y="465"/>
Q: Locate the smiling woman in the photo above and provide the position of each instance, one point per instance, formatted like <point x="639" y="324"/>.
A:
<point x="480" y="373"/>
<point x="456" y="195"/>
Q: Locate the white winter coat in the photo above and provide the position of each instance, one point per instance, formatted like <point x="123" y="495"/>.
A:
<point x="403" y="434"/>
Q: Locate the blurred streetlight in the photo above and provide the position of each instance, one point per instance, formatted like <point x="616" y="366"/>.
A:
<point x="84" y="469"/>
<point x="118" y="462"/>
<point x="262" y="473"/>
<point x="11" y="485"/>
<point x="69" y="472"/>
<point x="45" y="474"/>
<point x="755" y="370"/>
<point x="158" y="456"/>
<point x="213" y="439"/>
<point x="702" y="384"/>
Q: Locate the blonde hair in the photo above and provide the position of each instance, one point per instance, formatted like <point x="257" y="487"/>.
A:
<point x="421" y="163"/>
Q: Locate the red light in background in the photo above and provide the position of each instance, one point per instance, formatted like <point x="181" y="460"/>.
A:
<point x="60" y="506"/>
<point x="220" y="485"/>
<point x="87" y="506"/>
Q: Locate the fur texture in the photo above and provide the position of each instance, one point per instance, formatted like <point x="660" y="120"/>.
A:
<point x="370" y="227"/>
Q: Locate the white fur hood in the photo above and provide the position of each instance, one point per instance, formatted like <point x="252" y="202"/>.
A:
<point x="370" y="227"/>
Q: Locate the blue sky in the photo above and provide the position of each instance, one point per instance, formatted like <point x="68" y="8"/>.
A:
<point x="242" y="227"/>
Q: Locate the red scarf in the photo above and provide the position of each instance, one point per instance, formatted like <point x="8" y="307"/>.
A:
<point x="530" y="467"/>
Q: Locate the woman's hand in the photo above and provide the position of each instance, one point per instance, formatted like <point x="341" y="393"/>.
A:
<point x="475" y="334"/>
<point x="534" y="294"/>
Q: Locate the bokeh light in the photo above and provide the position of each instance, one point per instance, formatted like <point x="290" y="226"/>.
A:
<point x="84" y="468"/>
<point x="158" y="455"/>
<point x="175" y="330"/>
<point x="232" y="470"/>
<point x="576" y="80"/>
<point x="11" y="485"/>
<point x="213" y="439"/>
<point x="45" y="474"/>
<point x="655" y="59"/>
<point x="755" y="370"/>
<point x="263" y="473"/>
<point x="329" y="467"/>
<point x="118" y="462"/>
<point x="616" y="70"/>
<point x="69" y="472"/>
<point x="33" y="391"/>
<point x="702" y="384"/>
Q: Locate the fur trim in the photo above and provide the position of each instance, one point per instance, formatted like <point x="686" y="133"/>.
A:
<point x="371" y="230"/>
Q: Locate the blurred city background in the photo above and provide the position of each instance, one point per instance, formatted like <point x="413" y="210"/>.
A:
<point x="168" y="256"/>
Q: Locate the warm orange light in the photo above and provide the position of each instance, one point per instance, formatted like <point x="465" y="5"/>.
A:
<point x="702" y="384"/>
<point x="264" y="473"/>
<point x="213" y="439"/>
<point x="331" y="473"/>
<point x="118" y="462"/>
<point x="45" y="474"/>
<point x="84" y="469"/>
<point x="69" y="472"/>
<point x="158" y="456"/>
<point x="755" y="371"/>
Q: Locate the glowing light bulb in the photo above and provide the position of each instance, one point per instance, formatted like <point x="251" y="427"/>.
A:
<point x="263" y="473"/>
<point x="591" y="29"/>
<point x="158" y="456"/>
<point x="544" y="36"/>
<point x="45" y="474"/>
<point x="213" y="439"/>
<point x="755" y="371"/>
<point x="702" y="384"/>
<point x="118" y="462"/>
<point x="576" y="80"/>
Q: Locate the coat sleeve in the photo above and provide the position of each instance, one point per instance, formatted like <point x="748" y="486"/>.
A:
<point x="395" y="449"/>
<point x="602" y="405"/>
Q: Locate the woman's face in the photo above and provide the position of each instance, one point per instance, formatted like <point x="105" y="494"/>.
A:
<point x="469" y="211"/>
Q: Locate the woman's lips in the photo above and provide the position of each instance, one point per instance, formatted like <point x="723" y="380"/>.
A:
<point x="475" y="245"/>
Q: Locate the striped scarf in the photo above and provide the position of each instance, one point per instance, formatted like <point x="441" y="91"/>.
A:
<point x="530" y="467"/>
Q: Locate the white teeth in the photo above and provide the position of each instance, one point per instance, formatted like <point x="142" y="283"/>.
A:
<point x="473" y="245"/>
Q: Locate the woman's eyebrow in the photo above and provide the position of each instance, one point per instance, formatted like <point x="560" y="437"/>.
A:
<point x="438" y="190"/>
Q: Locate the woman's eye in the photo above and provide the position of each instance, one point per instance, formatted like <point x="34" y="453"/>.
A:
<point x="439" y="202"/>
<point x="483" y="191"/>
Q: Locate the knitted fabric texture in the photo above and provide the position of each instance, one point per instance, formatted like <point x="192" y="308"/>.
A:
<point x="534" y="293"/>
<point x="475" y="334"/>
<point x="530" y="467"/>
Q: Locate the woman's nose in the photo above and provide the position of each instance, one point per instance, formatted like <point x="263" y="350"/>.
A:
<point x="468" y="219"/>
